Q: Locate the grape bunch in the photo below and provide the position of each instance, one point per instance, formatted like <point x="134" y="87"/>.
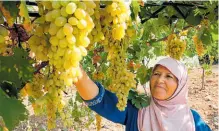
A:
<point x="113" y="22"/>
<point x="198" y="45"/>
<point x="98" y="122"/>
<point x="61" y="38"/>
<point x="4" y="41"/>
<point x="122" y="78"/>
<point x="175" y="46"/>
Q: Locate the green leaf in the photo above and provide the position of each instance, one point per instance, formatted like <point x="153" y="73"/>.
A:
<point x="10" y="11"/>
<point x="24" y="13"/>
<point x="12" y="111"/>
<point x="206" y="37"/>
<point x="142" y="74"/>
<point x="17" y="66"/>
<point x="192" y="19"/>
<point x="135" y="9"/>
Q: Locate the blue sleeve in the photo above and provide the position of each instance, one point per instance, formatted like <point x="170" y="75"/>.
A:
<point x="105" y="105"/>
<point x="200" y="125"/>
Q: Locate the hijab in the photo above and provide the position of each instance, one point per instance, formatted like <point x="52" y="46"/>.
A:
<point x="172" y="114"/>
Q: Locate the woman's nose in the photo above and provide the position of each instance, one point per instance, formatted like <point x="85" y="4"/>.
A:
<point x="161" y="79"/>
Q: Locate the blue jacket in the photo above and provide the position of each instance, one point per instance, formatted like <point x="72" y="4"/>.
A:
<point x="105" y="105"/>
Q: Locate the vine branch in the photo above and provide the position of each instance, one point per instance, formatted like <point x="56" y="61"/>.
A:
<point x="164" y="38"/>
<point x="42" y="65"/>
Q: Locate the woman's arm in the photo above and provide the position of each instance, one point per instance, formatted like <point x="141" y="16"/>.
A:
<point x="86" y="87"/>
<point x="104" y="103"/>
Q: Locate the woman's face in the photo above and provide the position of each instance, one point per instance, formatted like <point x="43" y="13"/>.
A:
<point x="162" y="83"/>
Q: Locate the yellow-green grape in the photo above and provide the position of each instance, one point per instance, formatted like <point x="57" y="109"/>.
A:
<point x="63" y="43"/>
<point x="3" y="31"/>
<point x="60" y="34"/>
<point x="56" y="4"/>
<point x="80" y="13"/>
<point x="67" y="29"/>
<point x="83" y="41"/>
<point x="118" y="32"/>
<point x="175" y="47"/>
<point x="70" y="8"/>
<point x="82" y="24"/>
<point x="54" y="40"/>
<point x="82" y="5"/>
<point x="64" y="3"/>
<point x="73" y="21"/>
<point x="90" y="4"/>
<point x="39" y="31"/>
<point x="60" y="21"/>
<point x="48" y="16"/>
<point x="2" y="39"/>
<point x="53" y="29"/>
<point x="63" y="12"/>
<point x="71" y="39"/>
<point x="56" y="13"/>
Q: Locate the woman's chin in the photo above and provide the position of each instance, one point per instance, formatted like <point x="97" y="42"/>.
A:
<point x="160" y="95"/>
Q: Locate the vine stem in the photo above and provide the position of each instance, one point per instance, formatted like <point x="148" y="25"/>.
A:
<point x="42" y="65"/>
<point x="203" y="78"/>
<point x="164" y="38"/>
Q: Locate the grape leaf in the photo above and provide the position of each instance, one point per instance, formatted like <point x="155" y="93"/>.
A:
<point x="139" y="101"/>
<point x="206" y="37"/>
<point x="135" y="9"/>
<point x="24" y="13"/>
<point x="142" y="73"/>
<point x="9" y="10"/>
<point x="12" y="111"/>
<point x="17" y="66"/>
<point x="193" y="19"/>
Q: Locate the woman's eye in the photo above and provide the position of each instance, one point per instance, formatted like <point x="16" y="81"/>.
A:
<point x="169" y="76"/>
<point x="156" y="73"/>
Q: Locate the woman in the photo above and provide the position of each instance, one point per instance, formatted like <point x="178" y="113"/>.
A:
<point x="168" y="110"/>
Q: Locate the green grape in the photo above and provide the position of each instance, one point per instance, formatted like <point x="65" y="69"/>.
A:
<point x="48" y="16"/>
<point x="2" y="39"/>
<point x="67" y="29"/>
<point x="81" y="5"/>
<point x="71" y="39"/>
<point x="60" y="34"/>
<point x="3" y="31"/>
<point x="64" y="3"/>
<point x="63" y="43"/>
<point x="53" y="29"/>
<point x="82" y="24"/>
<point x="63" y="12"/>
<point x="70" y="8"/>
<point x="80" y="13"/>
<point x="73" y="21"/>
<point x="54" y="40"/>
<point x="56" y="4"/>
<point x="56" y="13"/>
<point x="60" y="21"/>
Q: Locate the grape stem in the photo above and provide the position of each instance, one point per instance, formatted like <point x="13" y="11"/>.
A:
<point x="42" y="65"/>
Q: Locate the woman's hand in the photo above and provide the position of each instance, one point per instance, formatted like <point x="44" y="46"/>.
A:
<point x="87" y="89"/>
